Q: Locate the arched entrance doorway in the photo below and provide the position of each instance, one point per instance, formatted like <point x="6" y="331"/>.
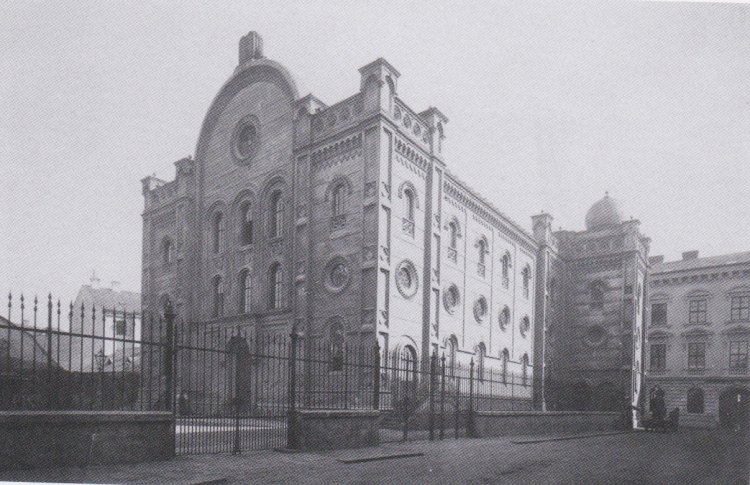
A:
<point x="734" y="408"/>
<point x="238" y="375"/>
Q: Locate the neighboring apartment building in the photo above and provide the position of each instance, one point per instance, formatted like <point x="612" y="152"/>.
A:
<point x="590" y="308"/>
<point x="340" y="220"/>
<point x="117" y="316"/>
<point x="698" y="337"/>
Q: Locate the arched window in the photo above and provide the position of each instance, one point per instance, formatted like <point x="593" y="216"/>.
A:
<point x="217" y="286"/>
<point x="504" y="317"/>
<point x="245" y="291"/>
<point x="277" y="214"/>
<point x="596" y="291"/>
<point x="276" y="283"/>
<point x="450" y="355"/>
<point x="506" y="359"/>
<point x="526" y="275"/>
<point x="695" y="400"/>
<point x="481" y="353"/>
<point x="246" y="224"/>
<point x="409" y="201"/>
<point x="167" y="251"/>
<point x="217" y="232"/>
<point x="338" y="200"/>
<point x="336" y="346"/>
<point x="453" y="234"/>
<point x="506" y="269"/>
<point x="481" y="256"/>
<point x="409" y="362"/>
<point x="525" y="369"/>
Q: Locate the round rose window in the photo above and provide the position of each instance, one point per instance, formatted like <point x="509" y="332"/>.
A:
<point x="451" y="298"/>
<point x="480" y="309"/>
<point x="337" y="274"/>
<point x="245" y="139"/>
<point x="406" y="279"/>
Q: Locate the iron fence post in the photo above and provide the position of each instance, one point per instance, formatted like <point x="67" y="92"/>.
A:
<point x="169" y="370"/>
<point x="50" y="392"/>
<point x="406" y="401"/>
<point x="458" y="396"/>
<point x="470" y="413"/>
<point x="237" y="401"/>
<point x="433" y="362"/>
<point x="442" y="397"/>
<point x="376" y="379"/>
<point x="292" y="439"/>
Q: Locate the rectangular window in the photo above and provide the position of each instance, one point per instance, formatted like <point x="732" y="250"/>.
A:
<point x="658" y="356"/>
<point x="120" y="327"/>
<point x="659" y="314"/>
<point x="696" y="355"/>
<point x="740" y="308"/>
<point x="697" y="311"/>
<point x="738" y="354"/>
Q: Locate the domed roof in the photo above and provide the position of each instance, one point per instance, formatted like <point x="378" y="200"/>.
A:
<point x="604" y="212"/>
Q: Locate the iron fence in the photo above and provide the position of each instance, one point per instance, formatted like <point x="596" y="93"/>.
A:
<point x="230" y="389"/>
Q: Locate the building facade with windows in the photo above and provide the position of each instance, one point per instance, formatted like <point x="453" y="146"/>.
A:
<point x="590" y="311"/>
<point x="698" y="336"/>
<point x="341" y="221"/>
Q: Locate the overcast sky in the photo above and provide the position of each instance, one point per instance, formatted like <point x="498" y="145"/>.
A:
<point x="550" y="104"/>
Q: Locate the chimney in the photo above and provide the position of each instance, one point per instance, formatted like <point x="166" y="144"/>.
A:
<point x="94" y="279"/>
<point x="656" y="259"/>
<point x="251" y="47"/>
<point x="688" y="255"/>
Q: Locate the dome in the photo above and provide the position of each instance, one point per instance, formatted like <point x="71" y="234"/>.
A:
<point x="604" y="212"/>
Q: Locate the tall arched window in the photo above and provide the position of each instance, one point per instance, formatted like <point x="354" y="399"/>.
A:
<point x="217" y="287"/>
<point x="246" y="223"/>
<point x="276" y="283"/>
<point x="277" y="214"/>
<point x="450" y="355"/>
<point x="409" y="201"/>
<point x="336" y="346"/>
<point x="409" y="362"/>
<point x="506" y="269"/>
<point x="525" y="370"/>
<point x="217" y="232"/>
<point x="597" y="294"/>
<point x="526" y="280"/>
<point x="245" y="291"/>
<point x="167" y="251"/>
<point x="481" y="353"/>
<point x="695" y="400"/>
<point x="453" y="234"/>
<point x="506" y="359"/>
<point x="338" y="200"/>
<point x="481" y="251"/>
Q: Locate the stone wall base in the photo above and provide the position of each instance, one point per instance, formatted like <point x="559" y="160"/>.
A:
<point x="38" y="439"/>
<point x="501" y="423"/>
<point x="336" y="429"/>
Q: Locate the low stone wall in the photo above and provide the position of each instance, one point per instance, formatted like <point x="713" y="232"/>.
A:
<point x="504" y="423"/>
<point x="337" y="429"/>
<point x="37" y="439"/>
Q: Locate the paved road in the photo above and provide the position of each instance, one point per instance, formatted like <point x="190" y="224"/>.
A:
<point x="686" y="457"/>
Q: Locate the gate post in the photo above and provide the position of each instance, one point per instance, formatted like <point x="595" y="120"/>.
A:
<point x="169" y="370"/>
<point x="433" y="362"/>
<point x="376" y="379"/>
<point x="292" y="437"/>
<point x="458" y="396"/>
<point x="406" y="399"/>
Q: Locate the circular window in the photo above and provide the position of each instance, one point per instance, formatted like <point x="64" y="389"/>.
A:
<point x="337" y="275"/>
<point x="595" y="336"/>
<point x="451" y="298"/>
<point x="525" y="326"/>
<point x="504" y="318"/>
<point x="406" y="279"/>
<point x="245" y="139"/>
<point x="480" y="309"/>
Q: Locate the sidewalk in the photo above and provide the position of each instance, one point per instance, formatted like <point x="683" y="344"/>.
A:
<point x="689" y="456"/>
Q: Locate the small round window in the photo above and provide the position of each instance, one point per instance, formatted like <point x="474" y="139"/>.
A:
<point x="451" y="298"/>
<point x="595" y="336"/>
<point x="480" y="309"/>
<point x="337" y="275"/>
<point x="406" y="279"/>
<point x="245" y="139"/>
